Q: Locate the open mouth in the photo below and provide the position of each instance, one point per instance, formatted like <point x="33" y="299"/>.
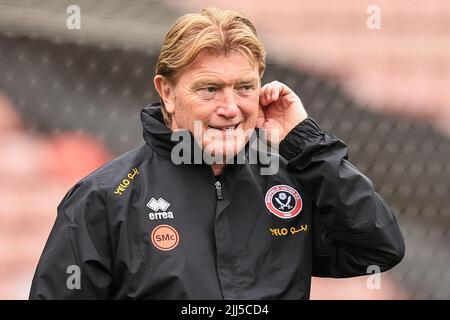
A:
<point x="225" y="128"/>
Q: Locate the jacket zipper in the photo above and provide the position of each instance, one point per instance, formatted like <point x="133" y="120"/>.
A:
<point x="219" y="190"/>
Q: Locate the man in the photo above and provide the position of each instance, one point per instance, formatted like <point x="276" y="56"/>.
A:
<point x="149" y="226"/>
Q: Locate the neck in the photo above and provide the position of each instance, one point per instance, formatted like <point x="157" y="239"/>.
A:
<point x="217" y="168"/>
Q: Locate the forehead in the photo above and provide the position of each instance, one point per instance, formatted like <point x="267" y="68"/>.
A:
<point x="230" y="67"/>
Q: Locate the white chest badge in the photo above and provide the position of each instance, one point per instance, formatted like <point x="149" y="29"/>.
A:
<point x="283" y="201"/>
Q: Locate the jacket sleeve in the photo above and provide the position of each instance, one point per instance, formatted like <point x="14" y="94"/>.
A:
<point x="353" y="227"/>
<point x="76" y="260"/>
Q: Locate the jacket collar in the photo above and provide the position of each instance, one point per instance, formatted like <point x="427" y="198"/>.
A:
<point x="156" y="134"/>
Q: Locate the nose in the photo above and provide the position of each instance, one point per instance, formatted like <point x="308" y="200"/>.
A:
<point x="228" y="107"/>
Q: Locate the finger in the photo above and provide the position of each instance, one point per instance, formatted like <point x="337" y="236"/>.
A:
<point x="270" y="92"/>
<point x="267" y="93"/>
<point x="270" y="88"/>
<point x="277" y="89"/>
<point x="263" y="99"/>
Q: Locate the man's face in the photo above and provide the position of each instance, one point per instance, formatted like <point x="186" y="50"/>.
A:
<point x="218" y="95"/>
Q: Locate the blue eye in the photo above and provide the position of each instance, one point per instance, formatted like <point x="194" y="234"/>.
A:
<point x="211" y="89"/>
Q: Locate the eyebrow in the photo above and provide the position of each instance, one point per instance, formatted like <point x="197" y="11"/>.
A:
<point x="219" y="83"/>
<point x="247" y="81"/>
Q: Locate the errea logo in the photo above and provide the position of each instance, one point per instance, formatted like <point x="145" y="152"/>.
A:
<point x="159" y="205"/>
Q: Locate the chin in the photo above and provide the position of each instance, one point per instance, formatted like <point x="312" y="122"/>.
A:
<point x="224" y="152"/>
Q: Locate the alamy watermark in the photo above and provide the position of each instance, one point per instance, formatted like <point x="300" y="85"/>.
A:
<point x="224" y="146"/>
<point x="73" y="21"/>
<point x="74" y="280"/>
<point x="374" y="280"/>
<point x="374" y="20"/>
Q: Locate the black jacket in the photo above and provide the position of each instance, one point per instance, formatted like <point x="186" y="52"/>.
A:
<point x="142" y="227"/>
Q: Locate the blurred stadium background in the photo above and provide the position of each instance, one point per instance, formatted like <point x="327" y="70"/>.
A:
<point x="70" y="101"/>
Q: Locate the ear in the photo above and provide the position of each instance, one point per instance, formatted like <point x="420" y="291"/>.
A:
<point x="165" y="91"/>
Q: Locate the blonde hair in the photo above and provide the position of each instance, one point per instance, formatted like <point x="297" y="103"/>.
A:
<point x="220" y="31"/>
